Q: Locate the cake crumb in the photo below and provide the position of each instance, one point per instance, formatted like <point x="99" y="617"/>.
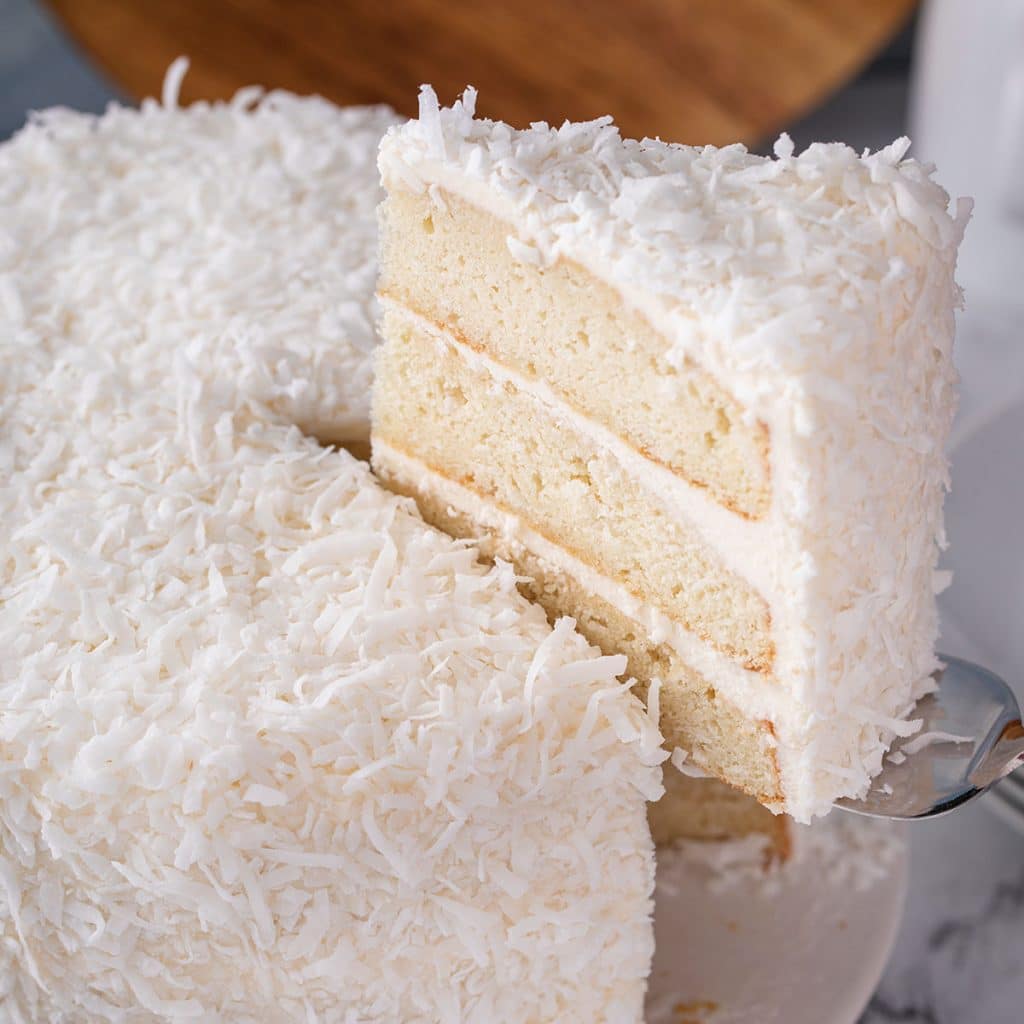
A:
<point x="697" y="1011"/>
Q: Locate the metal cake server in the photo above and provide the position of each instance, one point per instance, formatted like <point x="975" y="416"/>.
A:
<point x="921" y="779"/>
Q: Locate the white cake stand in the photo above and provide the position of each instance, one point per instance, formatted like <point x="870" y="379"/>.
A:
<point x="806" y="945"/>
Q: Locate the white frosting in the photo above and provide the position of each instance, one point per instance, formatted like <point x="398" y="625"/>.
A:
<point x="818" y="289"/>
<point x="270" y="748"/>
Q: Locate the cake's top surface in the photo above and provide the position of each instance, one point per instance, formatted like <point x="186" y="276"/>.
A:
<point x="767" y="262"/>
<point x="267" y="740"/>
<point x="245" y="230"/>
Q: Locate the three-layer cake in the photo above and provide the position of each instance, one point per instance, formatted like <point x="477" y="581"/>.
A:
<point x="699" y="398"/>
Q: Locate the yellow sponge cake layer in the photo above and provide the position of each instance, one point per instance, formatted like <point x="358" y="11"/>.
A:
<point x="451" y="262"/>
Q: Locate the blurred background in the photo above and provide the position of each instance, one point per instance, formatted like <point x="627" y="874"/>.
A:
<point x="949" y="72"/>
<point x="701" y="71"/>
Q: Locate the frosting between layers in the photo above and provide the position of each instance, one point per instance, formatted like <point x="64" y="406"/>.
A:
<point x="744" y="545"/>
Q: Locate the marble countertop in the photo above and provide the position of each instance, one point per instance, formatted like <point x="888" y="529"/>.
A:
<point x="959" y="957"/>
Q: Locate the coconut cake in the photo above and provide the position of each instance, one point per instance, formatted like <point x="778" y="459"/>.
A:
<point x="699" y="398"/>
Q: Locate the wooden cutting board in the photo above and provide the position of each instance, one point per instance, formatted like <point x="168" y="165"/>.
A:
<point x="696" y="71"/>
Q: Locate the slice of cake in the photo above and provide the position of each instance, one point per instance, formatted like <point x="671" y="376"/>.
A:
<point x="699" y="398"/>
<point x="271" y="748"/>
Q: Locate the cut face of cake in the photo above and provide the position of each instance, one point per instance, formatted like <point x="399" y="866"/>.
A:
<point x="699" y="398"/>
